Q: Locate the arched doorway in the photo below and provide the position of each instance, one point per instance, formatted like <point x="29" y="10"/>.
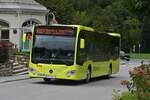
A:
<point x="27" y="33"/>
<point x="30" y="23"/>
<point x="4" y="30"/>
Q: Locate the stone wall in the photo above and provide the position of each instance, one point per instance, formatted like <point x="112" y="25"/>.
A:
<point x="6" y="69"/>
<point x="19" y="60"/>
<point x="16" y="64"/>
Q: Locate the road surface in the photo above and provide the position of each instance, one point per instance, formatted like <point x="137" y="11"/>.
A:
<point x="36" y="89"/>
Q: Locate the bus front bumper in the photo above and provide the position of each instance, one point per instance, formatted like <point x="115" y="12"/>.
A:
<point x="68" y="75"/>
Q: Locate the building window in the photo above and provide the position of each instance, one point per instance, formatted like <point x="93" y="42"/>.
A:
<point x="5" y="34"/>
<point x="4" y="30"/>
<point x="29" y="23"/>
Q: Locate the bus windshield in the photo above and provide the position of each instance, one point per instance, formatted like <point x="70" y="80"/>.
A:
<point x="53" y="49"/>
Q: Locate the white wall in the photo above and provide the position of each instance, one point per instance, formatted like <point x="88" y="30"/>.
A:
<point x="15" y="21"/>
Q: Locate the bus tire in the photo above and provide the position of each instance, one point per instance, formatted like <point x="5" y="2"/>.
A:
<point x="109" y="72"/>
<point x="47" y="80"/>
<point x="88" y="75"/>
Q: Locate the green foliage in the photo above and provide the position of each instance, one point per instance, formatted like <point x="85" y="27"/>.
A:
<point x="140" y="10"/>
<point x="131" y="28"/>
<point x="128" y="96"/>
<point x="130" y="18"/>
<point x="139" y="85"/>
<point x="4" y="48"/>
<point x="140" y="77"/>
<point x="81" y="17"/>
<point x="81" y="5"/>
<point x="140" y="56"/>
<point x="118" y="95"/>
<point x="61" y="8"/>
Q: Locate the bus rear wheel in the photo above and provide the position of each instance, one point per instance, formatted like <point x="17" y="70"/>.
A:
<point x="109" y="73"/>
<point x="88" y="76"/>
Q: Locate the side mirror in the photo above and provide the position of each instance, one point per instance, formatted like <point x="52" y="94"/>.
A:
<point x="82" y="43"/>
<point x="24" y="37"/>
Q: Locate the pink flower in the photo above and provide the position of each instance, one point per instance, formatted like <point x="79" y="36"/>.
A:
<point x="124" y="82"/>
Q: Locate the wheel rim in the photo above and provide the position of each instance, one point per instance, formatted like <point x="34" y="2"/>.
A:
<point x="110" y="72"/>
<point x="88" y="76"/>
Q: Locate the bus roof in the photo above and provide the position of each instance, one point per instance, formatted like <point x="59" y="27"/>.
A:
<point x="83" y="28"/>
<point x="114" y="34"/>
<point x="111" y="34"/>
<point x="78" y="26"/>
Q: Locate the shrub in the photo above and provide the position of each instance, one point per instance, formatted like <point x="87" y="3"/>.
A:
<point x="139" y="85"/>
<point x="3" y="51"/>
<point x="140" y="79"/>
<point x="128" y="96"/>
<point x="117" y="95"/>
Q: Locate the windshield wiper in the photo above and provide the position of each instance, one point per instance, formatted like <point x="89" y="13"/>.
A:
<point x="40" y="60"/>
<point x="61" y="60"/>
<point x="67" y="63"/>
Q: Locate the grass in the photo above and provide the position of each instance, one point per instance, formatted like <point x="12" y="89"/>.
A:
<point x="140" y="56"/>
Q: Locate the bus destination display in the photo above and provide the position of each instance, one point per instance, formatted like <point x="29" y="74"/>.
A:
<point x="55" y="31"/>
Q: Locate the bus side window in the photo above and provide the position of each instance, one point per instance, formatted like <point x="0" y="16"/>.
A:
<point x="81" y="52"/>
<point x="115" y="47"/>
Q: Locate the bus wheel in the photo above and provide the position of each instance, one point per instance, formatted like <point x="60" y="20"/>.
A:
<point x="109" y="73"/>
<point x="88" y="76"/>
<point x="47" y="80"/>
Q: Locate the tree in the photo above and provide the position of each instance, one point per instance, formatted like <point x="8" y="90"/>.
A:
<point x="132" y="30"/>
<point x="81" y="5"/>
<point x="61" y="8"/>
<point x="130" y="18"/>
<point x="81" y="17"/>
<point x="140" y="9"/>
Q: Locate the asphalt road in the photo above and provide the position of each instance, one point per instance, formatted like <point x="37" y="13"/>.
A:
<point x="36" y="89"/>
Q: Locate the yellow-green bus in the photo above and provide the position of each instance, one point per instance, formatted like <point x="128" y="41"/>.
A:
<point x="73" y="52"/>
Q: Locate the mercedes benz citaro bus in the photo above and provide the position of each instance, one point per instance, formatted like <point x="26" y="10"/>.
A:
<point x="73" y="52"/>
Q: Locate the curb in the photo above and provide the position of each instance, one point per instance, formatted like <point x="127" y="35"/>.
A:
<point x="13" y="78"/>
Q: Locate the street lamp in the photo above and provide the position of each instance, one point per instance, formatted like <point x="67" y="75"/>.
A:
<point x="139" y="48"/>
<point x="53" y="20"/>
<point x="134" y="48"/>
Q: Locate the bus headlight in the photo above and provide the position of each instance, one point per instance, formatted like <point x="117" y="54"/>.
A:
<point x="70" y="73"/>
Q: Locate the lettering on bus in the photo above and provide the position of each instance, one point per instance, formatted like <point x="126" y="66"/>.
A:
<point x="54" y="31"/>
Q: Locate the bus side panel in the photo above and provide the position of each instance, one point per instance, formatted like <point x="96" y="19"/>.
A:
<point x="115" y="66"/>
<point x="100" y="68"/>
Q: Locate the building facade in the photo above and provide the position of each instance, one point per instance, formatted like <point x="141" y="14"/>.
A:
<point x="17" y="16"/>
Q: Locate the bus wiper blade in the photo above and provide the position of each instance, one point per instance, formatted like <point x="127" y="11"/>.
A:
<point x="61" y="60"/>
<point x="65" y="62"/>
<point x="39" y="60"/>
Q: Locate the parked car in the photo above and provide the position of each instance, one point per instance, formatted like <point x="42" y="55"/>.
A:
<point x="124" y="56"/>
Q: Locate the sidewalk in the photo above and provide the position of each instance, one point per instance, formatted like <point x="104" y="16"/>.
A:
<point x="13" y="78"/>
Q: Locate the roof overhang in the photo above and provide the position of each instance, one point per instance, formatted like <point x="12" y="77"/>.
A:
<point x="23" y="8"/>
